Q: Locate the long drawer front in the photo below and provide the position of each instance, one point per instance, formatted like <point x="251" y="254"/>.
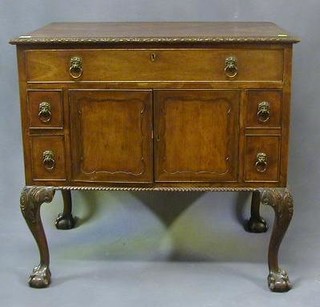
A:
<point x="155" y="65"/>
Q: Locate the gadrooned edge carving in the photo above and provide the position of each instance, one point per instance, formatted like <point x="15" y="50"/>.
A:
<point x="114" y="40"/>
<point x="164" y="189"/>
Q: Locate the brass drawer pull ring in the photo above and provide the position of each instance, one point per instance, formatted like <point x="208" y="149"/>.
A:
<point x="75" y="69"/>
<point x="261" y="162"/>
<point x="44" y="112"/>
<point x="48" y="160"/>
<point x="231" y="68"/>
<point x="263" y="111"/>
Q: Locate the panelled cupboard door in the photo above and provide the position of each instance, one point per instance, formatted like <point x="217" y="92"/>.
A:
<point x="111" y="135"/>
<point x="196" y="135"/>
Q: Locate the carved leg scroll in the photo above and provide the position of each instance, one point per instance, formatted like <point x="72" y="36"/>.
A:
<point x="282" y="203"/>
<point x="30" y="202"/>
<point x="256" y="223"/>
<point x="65" y="219"/>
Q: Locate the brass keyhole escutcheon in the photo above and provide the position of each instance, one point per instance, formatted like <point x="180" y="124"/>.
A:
<point x="153" y="57"/>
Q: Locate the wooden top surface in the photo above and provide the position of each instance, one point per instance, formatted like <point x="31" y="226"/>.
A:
<point x="157" y="32"/>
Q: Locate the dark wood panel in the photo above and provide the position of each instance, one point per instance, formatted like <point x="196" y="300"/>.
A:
<point x="111" y="135"/>
<point x="196" y="135"/>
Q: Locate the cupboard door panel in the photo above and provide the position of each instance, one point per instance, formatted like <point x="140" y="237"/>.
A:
<point x="111" y="135"/>
<point x="196" y="135"/>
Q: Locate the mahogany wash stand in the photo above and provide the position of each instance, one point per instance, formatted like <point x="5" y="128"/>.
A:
<point x="156" y="107"/>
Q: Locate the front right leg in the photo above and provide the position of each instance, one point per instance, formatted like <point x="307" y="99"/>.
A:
<point x="30" y="202"/>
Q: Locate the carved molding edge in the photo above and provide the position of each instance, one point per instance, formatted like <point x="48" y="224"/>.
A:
<point x="114" y="40"/>
<point x="165" y="189"/>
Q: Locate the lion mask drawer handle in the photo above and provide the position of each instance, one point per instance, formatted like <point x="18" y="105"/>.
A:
<point x="231" y="68"/>
<point x="261" y="162"/>
<point x="75" y="69"/>
<point x="48" y="160"/>
<point x="263" y="111"/>
<point x="44" y="112"/>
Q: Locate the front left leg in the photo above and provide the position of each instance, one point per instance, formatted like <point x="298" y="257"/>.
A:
<point x="282" y="203"/>
<point x="30" y="202"/>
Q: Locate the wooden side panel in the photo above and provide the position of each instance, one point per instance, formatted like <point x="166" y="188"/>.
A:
<point x="111" y="135"/>
<point x="196" y="135"/>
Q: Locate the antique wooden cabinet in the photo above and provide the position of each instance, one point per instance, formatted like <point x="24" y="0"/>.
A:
<point x="156" y="106"/>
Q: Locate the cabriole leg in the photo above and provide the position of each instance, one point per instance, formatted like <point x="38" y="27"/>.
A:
<point x="256" y="223"/>
<point x="65" y="219"/>
<point x="30" y="202"/>
<point x="282" y="203"/>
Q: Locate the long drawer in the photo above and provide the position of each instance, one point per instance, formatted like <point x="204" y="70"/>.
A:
<point x="154" y="65"/>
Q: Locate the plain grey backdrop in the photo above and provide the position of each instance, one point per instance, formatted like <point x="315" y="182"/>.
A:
<point x="163" y="249"/>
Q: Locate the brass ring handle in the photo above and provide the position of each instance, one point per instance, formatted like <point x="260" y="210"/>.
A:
<point x="44" y="112"/>
<point x="263" y="111"/>
<point x="75" y="69"/>
<point x="261" y="162"/>
<point x="231" y="68"/>
<point x="48" y="160"/>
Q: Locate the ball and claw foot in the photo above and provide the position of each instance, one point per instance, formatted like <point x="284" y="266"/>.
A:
<point x="257" y="225"/>
<point x="40" y="277"/>
<point x="65" y="222"/>
<point x="279" y="281"/>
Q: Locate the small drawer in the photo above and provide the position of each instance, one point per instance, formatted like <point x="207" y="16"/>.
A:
<point x="263" y="109"/>
<point x="262" y="158"/>
<point x="155" y="65"/>
<point x="48" y="158"/>
<point x="45" y="109"/>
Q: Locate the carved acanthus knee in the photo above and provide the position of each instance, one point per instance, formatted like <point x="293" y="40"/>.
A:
<point x="31" y="199"/>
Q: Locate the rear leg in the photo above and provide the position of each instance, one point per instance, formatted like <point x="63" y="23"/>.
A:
<point x="256" y="223"/>
<point x="65" y="219"/>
